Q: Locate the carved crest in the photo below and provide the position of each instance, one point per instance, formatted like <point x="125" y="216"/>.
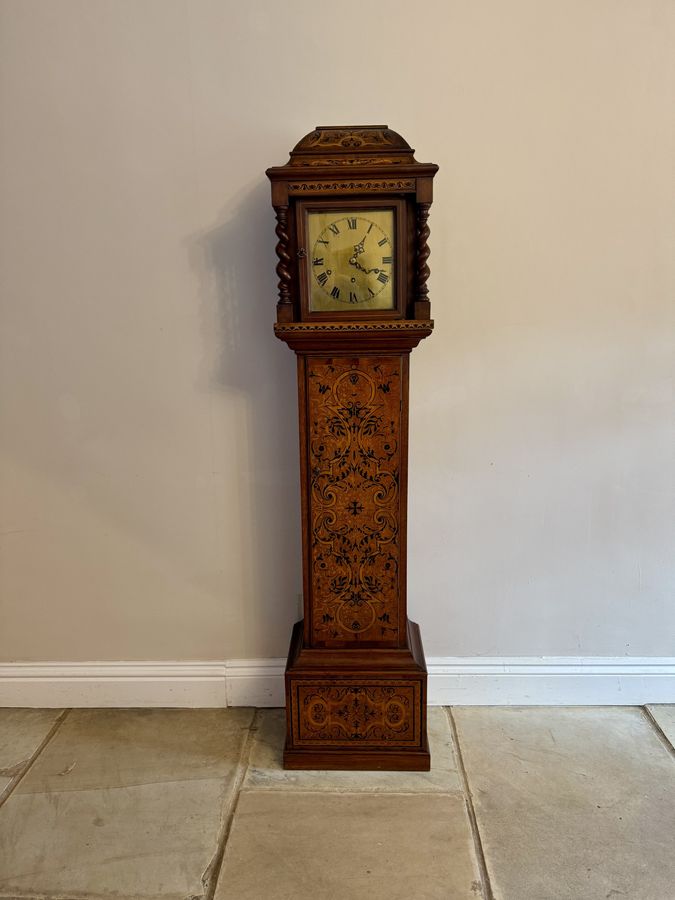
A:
<point x="351" y="145"/>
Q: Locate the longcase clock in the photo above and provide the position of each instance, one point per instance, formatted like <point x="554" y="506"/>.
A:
<point x="351" y="207"/>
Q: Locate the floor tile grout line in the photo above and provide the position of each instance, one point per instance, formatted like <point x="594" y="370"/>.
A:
<point x="352" y="792"/>
<point x="468" y="797"/>
<point x="53" y="896"/>
<point x="15" y="896"/>
<point x="657" y="728"/>
<point x="212" y="876"/>
<point x="33" y="758"/>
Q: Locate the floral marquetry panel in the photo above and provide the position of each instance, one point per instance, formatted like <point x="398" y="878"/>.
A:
<point x="378" y="713"/>
<point x="354" y="499"/>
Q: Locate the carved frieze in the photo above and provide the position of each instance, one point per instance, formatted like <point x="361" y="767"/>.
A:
<point x="316" y="161"/>
<point x="365" y="186"/>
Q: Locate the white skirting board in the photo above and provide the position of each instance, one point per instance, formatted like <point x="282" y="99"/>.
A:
<point x="473" y="681"/>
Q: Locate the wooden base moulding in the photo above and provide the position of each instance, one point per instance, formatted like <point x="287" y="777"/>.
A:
<point x="352" y="709"/>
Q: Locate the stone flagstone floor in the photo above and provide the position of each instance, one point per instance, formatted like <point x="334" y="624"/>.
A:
<point x="535" y="803"/>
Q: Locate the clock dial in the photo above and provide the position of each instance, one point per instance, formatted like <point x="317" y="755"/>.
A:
<point x="351" y="259"/>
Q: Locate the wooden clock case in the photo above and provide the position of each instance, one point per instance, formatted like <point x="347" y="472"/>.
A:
<point x="356" y="680"/>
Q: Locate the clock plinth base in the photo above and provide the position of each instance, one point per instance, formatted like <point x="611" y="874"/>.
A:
<point x="357" y="708"/>
<point x="358" y="761"/>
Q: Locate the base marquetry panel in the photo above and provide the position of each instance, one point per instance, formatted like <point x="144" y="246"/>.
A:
<point x="357" y="710"/>
<point x="347" y="712"/>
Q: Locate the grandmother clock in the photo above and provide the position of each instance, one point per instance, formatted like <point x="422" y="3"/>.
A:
<point x="352" y="206"/>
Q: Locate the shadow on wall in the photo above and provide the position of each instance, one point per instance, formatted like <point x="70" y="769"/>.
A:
<point x="252" y="377"/>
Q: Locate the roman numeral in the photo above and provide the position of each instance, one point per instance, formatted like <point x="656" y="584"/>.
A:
<point x="371" y="225"/>
<point x="321" y="241"/>
<point x="387" y="260"/>
<point x="351" y="223"/>
<point x="318" y="261"/>
<point x="353" y="298"/>
<point x="371" y="292"/>
<point x="383" y="242"/>
<point x="335" y="292"/>
<point x="322" y="278"/>
<point x="334" y="228"/>
<point x="383" y="277"/>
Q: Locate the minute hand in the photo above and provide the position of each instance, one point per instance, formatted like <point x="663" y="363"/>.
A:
<point x="357" y="265"/>
<point x="354" y="262"/>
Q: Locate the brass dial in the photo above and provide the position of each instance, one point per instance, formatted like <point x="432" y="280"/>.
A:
<point x="351" y="260"/>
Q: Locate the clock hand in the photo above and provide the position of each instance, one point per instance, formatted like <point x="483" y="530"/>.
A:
<point x="354" y="262"/>
<point x="357" y="265"/>
<point x="360" y="248"/>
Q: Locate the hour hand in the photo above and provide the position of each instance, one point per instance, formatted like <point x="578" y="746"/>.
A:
<point x="360" y="248"/>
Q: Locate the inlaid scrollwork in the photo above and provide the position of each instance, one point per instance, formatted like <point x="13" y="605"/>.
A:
<point x="318" y="187"/>
<point x="379" y="713"/>
<point x="354" y="456"/>
<point x="355" y="161"/>
<point x="352" y="138"/>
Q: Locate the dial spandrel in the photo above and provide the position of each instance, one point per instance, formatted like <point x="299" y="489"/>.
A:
<point x="351" y="260"/>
